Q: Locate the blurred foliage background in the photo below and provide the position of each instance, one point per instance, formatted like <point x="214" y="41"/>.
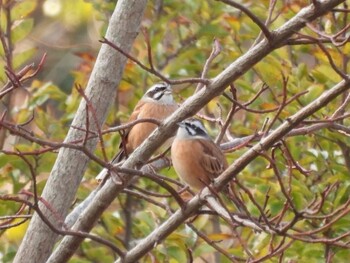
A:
<point x="181" y="36"/>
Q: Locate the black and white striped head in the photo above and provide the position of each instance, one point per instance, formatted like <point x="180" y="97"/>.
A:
<point x="191" y="128"/>
<point x="161" y="93"/>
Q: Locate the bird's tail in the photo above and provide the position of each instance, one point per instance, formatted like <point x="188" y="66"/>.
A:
<point x="120" y="156"/>
<point x="214" y="204"/>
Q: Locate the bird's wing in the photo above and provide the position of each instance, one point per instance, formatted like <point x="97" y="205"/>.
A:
<point x="136" y="111"/>
<point x="120" y="155"/>
<point x="134" y="116"/>
<point x="213" y="160"/>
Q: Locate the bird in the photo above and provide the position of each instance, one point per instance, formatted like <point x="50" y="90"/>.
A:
<point x="157" y="103"/>
<point x="196" y="158"/>
<point x="198" y="161"/>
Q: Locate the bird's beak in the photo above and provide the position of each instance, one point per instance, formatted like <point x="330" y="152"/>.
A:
<point x="169" y="89"/>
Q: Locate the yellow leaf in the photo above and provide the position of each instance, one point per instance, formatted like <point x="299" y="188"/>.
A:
<point x="219" y="237"/>
<point x="16" y="234"/>
<point x="267" y="106"/>
<point x="212" y="105"/>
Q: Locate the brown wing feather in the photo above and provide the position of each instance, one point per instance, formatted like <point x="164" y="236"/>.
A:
<point x="143" y="130"/>
<point x="133" y="117"/>
<point x="121" y="153"/>
<point x="213" y="160"/>
<point x="136" y="111"/>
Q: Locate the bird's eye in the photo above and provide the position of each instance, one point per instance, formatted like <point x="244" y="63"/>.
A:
<point x="161" y="88"/>
<point x="198" y="129"/>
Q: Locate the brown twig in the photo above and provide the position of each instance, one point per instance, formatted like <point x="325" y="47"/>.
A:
<point x="216" y="49"/>
<point x="269" y="20"/>
<point x="22" y="76"/>
<point x="59" y="230"/>
<point x="282" y="104"/>
<point x="211" y="243"/>
<point x="253" y="17"/>
<point x="146" y="197"/>
<point x="155" y="178"/>
<point x="152" y="70"/>
<point x="91" y="109"/>
<point x="228" y="118"/>
<point x="329" y="57"/>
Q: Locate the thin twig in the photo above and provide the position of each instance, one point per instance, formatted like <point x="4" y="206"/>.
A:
<point x="216" y="49"/>
<point x="250" y="14"/>
<point x="152" y="70"/>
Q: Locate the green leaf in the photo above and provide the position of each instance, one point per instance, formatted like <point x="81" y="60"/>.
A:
<point x="176" y="254"/>
<point x="342" y="193"/>
<point x="9" y="256"/>
<point x="98" y="254"/>
<point x="42" y="121"/>
<point x="342" y="255"/>
<point x="42" y="93"/>
<point x="3" y="77"/>
<point x="314" y="92"/>
<point x="2" y="52"/>
<point x="302" y="71"/>
<point x="203" y="249"/>
<point x="23" y="8"/>
<point x="211" y="30"/>
<point x="275" y="206"/>
<point x="46" y="162"/>
<point x="22" y="57"/>
<point x="4" y="159"/>
<point x="325" y="74"/>
<point x="79" y="260"/>
<point x="21" y="29"/>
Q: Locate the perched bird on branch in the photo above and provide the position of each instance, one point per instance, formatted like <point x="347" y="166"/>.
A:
<point x="198" y="160"/>
<point x="157" y="103"/>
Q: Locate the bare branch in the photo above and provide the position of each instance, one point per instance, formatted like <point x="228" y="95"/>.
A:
<point x="216" y="49"/>
<point x="151" y="69"/>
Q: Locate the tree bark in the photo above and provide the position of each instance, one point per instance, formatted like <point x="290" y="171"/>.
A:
<point x="70" y="164"/>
